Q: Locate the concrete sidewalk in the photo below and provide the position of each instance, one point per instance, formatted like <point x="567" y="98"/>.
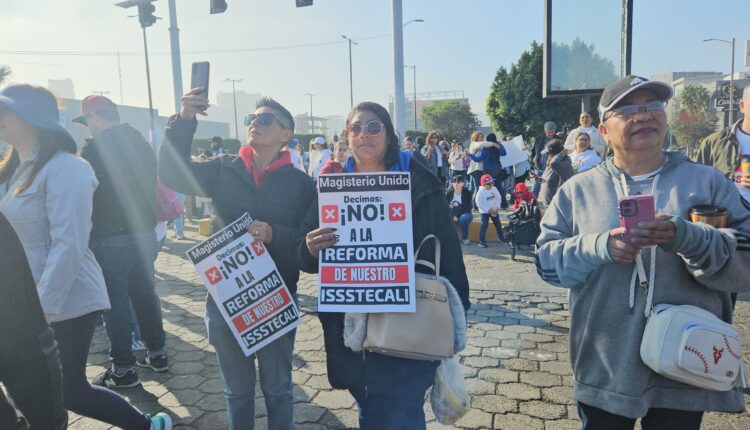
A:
<point x="516" y="365"/>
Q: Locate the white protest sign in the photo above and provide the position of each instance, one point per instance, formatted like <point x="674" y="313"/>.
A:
<point x="246" y="286"/>
<point x="371" y="268"/>
<point x="516" y="152"/>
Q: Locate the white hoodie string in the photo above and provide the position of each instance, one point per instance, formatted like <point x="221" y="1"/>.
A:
<point x="638" y="270"/>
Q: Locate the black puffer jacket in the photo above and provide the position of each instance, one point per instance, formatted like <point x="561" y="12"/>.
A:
<point x="281" y="201"/>
<point x="345" y="368"/>
<point x="125" y="165"/>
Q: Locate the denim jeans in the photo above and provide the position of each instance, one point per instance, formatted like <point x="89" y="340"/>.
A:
<point x="485" y="223"/>
<point x="127" y="262"/>
<point x="395" y="393"/>
<point x="463" y="224"/>
<point x="475" y="178"/>
<point x="179" y="222"/>
<point x="79" y="396"/>
<point x="238" y="372"/>
<point x="656" y="419"/>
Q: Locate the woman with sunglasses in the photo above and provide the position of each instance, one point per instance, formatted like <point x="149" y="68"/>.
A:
<point x="261" y="181"/>
<point x="46" y="192"/>
<point x="389" y="391"/>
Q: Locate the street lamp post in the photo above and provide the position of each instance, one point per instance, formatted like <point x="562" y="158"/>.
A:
<point x="234" y="98"/>
<point x="351" y="82"/>
<point x="414" y="70"/>
<point x="312" y="122"/>
<point x="398" y="64"/>
<point x="731" y="79"/>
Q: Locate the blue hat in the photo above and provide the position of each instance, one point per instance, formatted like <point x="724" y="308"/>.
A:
<point x="34" y="107"/>
<point x="293" y="143"/>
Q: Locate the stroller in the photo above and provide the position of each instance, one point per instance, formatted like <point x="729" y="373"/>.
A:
<point x="523" y="227"/>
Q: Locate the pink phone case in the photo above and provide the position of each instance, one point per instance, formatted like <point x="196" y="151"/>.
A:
<point x="635" y="209"/>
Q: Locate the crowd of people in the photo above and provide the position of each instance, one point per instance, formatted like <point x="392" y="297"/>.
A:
<point x="88" y="225"/>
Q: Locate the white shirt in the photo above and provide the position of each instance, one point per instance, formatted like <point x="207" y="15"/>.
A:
<point x="744" y="141"/>
<point x="487" y="200"/>
<point x="583" y="161"/>
<point x="320" y="161"/>
<point x="296" y="159"/>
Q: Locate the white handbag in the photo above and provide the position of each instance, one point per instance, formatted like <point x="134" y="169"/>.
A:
<point x="691" y="345"/>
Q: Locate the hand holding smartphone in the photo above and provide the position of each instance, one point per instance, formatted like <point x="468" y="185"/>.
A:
<point x="199" y="79"/>
<point x="635" y="209"/>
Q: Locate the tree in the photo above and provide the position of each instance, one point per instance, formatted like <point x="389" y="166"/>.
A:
<point x="4" y="73"/>
<point x="452" y="118"/>
<point x="578" y="67"/>
<point x="693" y="119"/>
<point x="515" y="104"/>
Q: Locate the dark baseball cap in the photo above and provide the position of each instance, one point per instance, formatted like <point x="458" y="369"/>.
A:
<point x="618" y="90"/>
<point x="94" y="103"/>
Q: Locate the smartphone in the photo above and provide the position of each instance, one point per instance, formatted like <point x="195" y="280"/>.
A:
<point x="635" y="209"/>
<point x="199" y="78"/>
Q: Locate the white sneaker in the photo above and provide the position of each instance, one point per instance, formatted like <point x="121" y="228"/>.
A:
<point x="467" y="242"/>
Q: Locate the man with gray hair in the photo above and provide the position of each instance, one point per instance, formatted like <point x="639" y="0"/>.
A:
<point x="538" y="152"/>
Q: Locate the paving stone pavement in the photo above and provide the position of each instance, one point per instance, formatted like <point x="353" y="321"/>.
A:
<point x="516" y="364"/>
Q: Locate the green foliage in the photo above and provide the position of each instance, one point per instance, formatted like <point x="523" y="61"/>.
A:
<point x="4" y="73"/>
<point x="578" y="67"/>
<point x="452" y="118"/>
<point x="693" y="119"/>
<point x="515" y="104"/>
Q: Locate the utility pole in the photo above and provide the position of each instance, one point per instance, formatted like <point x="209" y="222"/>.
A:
<point x="174" y="44"/>
<point x="152" y="129"/>
<point x="119" y="73"/>
<point x="234" y="97"/>
<point x="398" y="66"/>
<point x="731" y="79"/>
<point x="351" y="83"/>
<point x="312" y="122"/>
<point x="414" y="70"/>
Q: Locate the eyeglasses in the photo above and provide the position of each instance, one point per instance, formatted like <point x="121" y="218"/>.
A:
<point x="264" y="119"/>
<point x="629" y="111"/>
<point x="373" y="128"/>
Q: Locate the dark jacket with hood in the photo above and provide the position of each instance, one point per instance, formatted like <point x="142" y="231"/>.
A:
<point x="125" y="165"/>
<point x="282" y="200"/>
<point x="345" y="367"/>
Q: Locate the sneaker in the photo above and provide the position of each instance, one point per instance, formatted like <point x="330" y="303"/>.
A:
<point x="110" y="379"/>
<point x="467" y="242"/>
<point x="482" y="245"/>
<point x="157" y="364"/>
<point x="160" y="421"/>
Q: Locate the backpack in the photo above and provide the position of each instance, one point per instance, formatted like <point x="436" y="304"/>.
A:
<point x="168" y="205"/>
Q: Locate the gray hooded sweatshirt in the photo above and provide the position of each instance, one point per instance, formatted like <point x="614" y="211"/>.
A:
<point x="700" y="267"/>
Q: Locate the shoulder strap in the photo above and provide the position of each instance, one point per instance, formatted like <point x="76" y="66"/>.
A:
<point x="436" y="265"/>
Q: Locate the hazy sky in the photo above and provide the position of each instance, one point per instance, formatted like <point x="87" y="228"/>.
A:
<point x="282" y="51"/>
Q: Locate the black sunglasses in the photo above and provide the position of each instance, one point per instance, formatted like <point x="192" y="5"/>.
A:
<point x="264" y="119"/>
<point x="373" y="128"/>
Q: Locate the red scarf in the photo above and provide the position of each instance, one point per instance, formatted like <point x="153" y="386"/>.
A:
<point x="246" y="155"/>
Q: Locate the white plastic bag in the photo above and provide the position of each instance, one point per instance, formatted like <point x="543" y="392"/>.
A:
<point x="449" y="398"/>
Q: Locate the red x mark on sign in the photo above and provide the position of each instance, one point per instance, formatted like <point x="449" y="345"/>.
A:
<point x="213" y="275"/>
<point x="258" y="247"/>
<point x="397" y="212"/>
<point x="329" y="214"/>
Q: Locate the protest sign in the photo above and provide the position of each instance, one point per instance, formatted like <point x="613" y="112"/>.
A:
<point x="246" y="286"/>
<point x="515" y="152"/>
<point x="371" y="268"/>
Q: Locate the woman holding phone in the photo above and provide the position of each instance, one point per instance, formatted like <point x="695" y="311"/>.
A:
<point x="583" y="248"/>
